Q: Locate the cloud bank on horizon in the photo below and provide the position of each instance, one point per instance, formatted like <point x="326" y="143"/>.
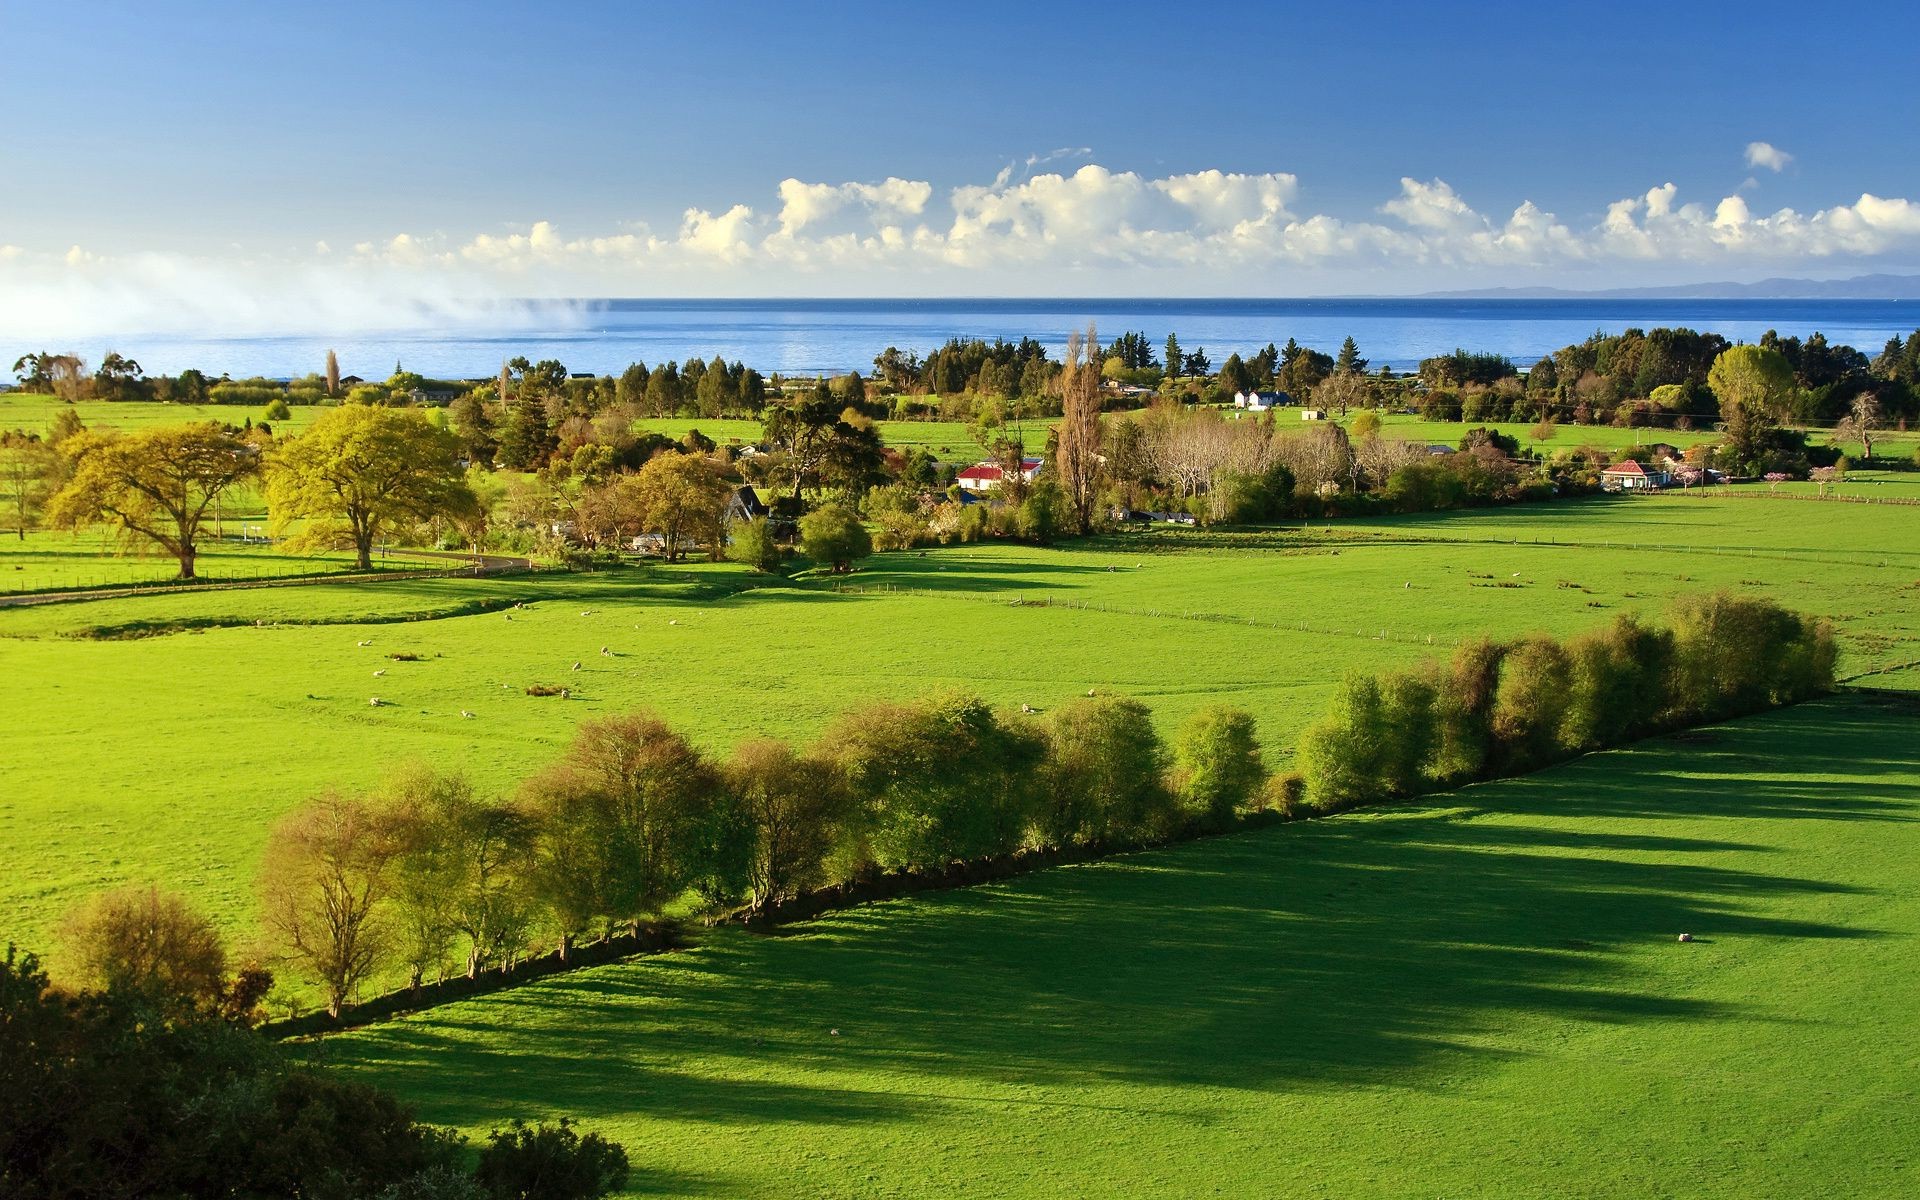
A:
<point x="1088" y="231"/>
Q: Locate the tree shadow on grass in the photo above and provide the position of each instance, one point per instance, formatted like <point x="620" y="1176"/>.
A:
<point x="1392" y="947"/>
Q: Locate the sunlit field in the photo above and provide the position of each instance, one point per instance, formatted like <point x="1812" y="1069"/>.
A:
<point x="224" y="709"/>
<point x="1482" y="995"/>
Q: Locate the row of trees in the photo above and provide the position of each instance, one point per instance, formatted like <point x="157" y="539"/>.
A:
<point x="428" y="876"/>
<point x="1504" y="708"/>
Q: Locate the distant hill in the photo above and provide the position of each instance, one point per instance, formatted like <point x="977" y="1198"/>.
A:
<point x="1860" y="287"/>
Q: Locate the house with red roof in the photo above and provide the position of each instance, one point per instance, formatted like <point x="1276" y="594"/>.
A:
<point x="986" y="476"/>
<point x="1631" y="476"/>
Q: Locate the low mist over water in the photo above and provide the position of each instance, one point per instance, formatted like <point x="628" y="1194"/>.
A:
<point x="833" y="336"/>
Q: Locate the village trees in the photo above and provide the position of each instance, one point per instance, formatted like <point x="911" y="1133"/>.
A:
<point x="365" y="472"/>
<point x="1076" y="456"/>
<point x="683" y="500"/>
<point x="158" y="484"/>
<point x="27" y="469"/>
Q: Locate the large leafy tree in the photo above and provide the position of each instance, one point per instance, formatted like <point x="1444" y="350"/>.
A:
<point x="1754" y="385"/>
<point x="27" y="468"/>
<point x="683" y="499"/>
<point x="364" y="472"/>
<point x="158" y="484"/>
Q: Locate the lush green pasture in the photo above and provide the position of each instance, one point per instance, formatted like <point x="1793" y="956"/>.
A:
<point x="166" y="757"/>
<point x="35" y="412"/>
<point x="96" y="558"/>
<point x="1480" y="996"/>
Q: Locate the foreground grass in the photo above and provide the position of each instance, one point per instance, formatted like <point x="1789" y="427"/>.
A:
<point x="165" y="758"/>
<point x="1480" y="996"/>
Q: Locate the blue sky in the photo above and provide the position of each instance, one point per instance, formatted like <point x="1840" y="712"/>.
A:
<point x="447" y="150"/>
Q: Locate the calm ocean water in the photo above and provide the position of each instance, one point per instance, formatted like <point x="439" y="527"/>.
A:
<point x="808" y="336"/>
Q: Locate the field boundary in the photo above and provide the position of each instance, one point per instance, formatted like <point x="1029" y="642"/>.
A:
<point x="667" y="935"/>
<point x="482" y="565"/>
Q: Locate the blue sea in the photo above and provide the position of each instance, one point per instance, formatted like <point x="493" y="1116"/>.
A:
<point x="831" y="336"/>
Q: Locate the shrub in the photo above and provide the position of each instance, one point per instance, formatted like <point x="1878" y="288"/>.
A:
<point x="937" y="781"/>
<point x="794" y="807"/>
<point x="1463" y="711"/>
<point x="1619" y="683"/>
<point x="752" y="544"/>
<point x="1530" y="705"/>
<point x="549" y="1162"/>
<point x="143" y="940"/>
<point x="833" y="537"/>
<point x="277" y="410"/>
<point x="1103" y="774"/>
<point x="1217" y="766"/>
<point x="1373" y="743"/>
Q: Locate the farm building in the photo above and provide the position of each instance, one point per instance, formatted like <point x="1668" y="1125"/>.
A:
<point x="1313" y="414"/>
<point x="986" y="476"/>
<point x="1630" y="476"/>
<point x="745" y="505"/>
<point x="1260" y="401"/>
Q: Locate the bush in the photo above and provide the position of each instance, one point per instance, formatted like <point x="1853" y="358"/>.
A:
<point x="1217" y="766"/>
<point x="833" y="537"/>
<point x="939" y="781"/>
<point x="1373" y="743"/>
<point x="153" y="943"/>
<point x="752" y="544"/>
<point x="1530" y="706"/>
<point x="277" y="411"/>
<point x="549" y="1162"/>
<point x="1103" y="774"/>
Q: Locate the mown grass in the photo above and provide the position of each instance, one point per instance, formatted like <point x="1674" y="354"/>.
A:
<point x="132" y="756"/>
<point x="1478" y="996"/>
<point x="45" y="561"/>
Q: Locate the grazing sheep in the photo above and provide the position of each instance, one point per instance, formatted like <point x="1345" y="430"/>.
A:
<point x="1686" y="937"/>
<point x="1515" y="575"/>
<point x="586" y="612"/>
<point x="380" y="672"/>
<point x="466" y="714"/>
<point x="1089" y="691"/>
<point x="673" y="622"/>
<point x="1026" y="708"/>
<point x="566" y="693"/>
<point x="1409" y="583"/>
<point x="576" y="666"/>
<point x="368" y="642"/>
<point x="833" y="1033"/>
<point x="509" y="616"/>
<point x="375" y="702"/>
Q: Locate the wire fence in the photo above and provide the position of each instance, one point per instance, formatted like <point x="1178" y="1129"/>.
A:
<point x="1121" y="610"/>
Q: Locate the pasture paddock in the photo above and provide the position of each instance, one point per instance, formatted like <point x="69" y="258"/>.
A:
<point x="186" y="745"/>
<point x="1478" y="995"/>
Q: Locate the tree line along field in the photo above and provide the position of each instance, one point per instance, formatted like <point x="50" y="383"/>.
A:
<point x="1479" y="995"/>
<point x="260" y="698"/>
<point x="951" y="441"/>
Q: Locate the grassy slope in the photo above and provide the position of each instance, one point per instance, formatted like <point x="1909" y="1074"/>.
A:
<point x="1477" y="997"/>
<point x="190" y="744"/>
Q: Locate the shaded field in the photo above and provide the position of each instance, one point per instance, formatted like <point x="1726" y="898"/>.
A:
<point x="52" y="561"/>
<point x="1478" y="996"/>
<point x="133" y="756"/>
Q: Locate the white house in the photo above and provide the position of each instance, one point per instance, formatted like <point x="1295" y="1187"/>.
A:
<point x="1630" y="476"/>
<point x="1260" y="401"/>
<point x="986" y="476"/>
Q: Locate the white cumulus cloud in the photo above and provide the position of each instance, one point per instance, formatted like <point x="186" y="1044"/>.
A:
<point x="1765" y="154"/>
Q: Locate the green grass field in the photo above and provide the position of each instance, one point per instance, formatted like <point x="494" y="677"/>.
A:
<point x="1478" y="996"/>
<point x="191" y="743"/>
<point x="96" y="558"/>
